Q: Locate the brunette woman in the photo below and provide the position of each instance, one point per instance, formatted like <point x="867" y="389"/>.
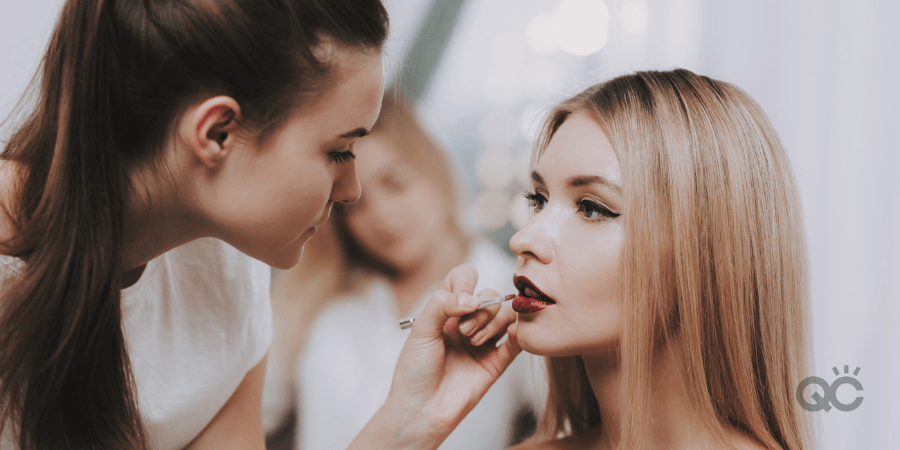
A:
<point x="173" y="148"/>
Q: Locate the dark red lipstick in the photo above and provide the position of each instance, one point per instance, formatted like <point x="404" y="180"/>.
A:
<point x="530" y="298"/>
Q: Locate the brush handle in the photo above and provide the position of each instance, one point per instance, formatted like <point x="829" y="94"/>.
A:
<point x="407" y="322"/>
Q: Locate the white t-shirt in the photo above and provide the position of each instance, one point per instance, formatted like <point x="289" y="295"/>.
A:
<point x="195" y="323"/>
<point x="345" y="371"/>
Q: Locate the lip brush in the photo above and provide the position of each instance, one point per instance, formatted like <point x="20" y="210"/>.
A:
<point x="407" y="322"/>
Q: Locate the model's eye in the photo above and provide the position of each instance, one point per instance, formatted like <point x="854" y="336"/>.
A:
<point x="536" y="201"/>
<point x="342" y="156"/>
<point x="593" y="210"/>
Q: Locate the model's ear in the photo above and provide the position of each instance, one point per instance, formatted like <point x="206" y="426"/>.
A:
<point x="208" y="129"/>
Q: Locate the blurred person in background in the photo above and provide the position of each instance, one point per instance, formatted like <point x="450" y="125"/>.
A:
<point x="298" y="296"/>
<point x="391" y="251"/>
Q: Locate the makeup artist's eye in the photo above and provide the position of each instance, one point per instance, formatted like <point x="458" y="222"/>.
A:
<point x="342" y="156"/>
<point x="593" y="210"/>
<point x="536" y="201"/>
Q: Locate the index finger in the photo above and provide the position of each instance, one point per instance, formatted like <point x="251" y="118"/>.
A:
<point x="462" y="279"/>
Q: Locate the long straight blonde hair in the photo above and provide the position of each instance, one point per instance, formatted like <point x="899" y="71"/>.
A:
<point x="714" y="255"/>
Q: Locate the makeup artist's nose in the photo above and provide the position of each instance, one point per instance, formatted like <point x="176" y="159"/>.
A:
<point x="533" y="241"/>
<point x="346" y="188"/>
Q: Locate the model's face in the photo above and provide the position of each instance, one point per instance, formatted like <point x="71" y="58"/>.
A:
<point x="277" y="193"/>
<point x="570" y="250"/>
<point x="401" y="215"/>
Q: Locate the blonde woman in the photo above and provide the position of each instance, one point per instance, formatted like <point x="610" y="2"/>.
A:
<point x="663" y="274"/>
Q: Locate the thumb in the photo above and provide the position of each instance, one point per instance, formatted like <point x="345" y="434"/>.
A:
<point x="440" y="308"/>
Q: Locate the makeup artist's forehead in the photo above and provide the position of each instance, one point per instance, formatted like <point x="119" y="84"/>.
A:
<point x="579" y="148"/>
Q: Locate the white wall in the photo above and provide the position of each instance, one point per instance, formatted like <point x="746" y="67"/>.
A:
<point x="24" y="31"/>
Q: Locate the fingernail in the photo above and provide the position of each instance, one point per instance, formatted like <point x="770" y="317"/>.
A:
<point x="467" y="300"/>
<point x="467" y="327"/>
<point x="476" y="340"/>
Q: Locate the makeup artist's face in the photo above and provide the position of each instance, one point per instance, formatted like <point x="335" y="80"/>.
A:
<point x="273" y="196"/>
<point x="570" y="250"/>
<point x="401" y="215"/>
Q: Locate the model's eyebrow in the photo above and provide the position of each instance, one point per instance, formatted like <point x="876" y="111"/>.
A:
<point x="582" y="180"/>
<point x="357" y="133"/>
<point x="587" y="180"/>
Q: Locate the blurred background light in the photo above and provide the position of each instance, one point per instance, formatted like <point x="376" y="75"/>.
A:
<point x="541" y="79"/>
<point x="508" y="50"/>
<point x="581" y="26"/>
<point x="492" y="209"/>
<point x="502" y="87"/>
<point x="530" y="120"/>
<point x="540" y="34"/>
<point x="495" y="169"/>
<point x="634" y="16"/>
<point x="498" y="129"/>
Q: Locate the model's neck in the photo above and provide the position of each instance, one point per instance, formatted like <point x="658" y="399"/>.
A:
<point x="672" y="420"/>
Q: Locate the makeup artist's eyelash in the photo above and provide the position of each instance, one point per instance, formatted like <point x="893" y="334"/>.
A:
<point x="342" y="157"/>
<point x="593" y="210"/>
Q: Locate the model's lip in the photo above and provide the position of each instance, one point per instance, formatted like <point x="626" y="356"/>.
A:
<point x="527" y="289"/>
<point x="527" y="305"/>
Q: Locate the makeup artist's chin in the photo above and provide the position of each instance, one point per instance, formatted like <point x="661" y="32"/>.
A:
<point x="289" y="255"/>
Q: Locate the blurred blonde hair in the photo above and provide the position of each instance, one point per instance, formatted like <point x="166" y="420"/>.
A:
<point x="714" y="254"/>
<point x="398" y="125"/>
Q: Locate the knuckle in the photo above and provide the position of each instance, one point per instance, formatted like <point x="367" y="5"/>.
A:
<point x="443" y="296"/>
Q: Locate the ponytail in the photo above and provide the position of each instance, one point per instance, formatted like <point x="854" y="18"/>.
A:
<point x="65" y="377"/>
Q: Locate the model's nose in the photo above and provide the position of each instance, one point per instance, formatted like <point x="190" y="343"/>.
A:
<point x="532" y="241"/>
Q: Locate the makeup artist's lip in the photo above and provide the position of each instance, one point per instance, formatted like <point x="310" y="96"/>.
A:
<point x="530" y="298"/>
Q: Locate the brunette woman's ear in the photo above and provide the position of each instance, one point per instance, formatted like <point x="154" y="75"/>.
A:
<point x="208" y="129"/>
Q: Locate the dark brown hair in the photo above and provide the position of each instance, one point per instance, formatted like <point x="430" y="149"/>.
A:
<point x="113" y="81"/>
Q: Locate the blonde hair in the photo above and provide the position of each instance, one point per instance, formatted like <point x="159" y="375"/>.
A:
<point x="714" y="254"/>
